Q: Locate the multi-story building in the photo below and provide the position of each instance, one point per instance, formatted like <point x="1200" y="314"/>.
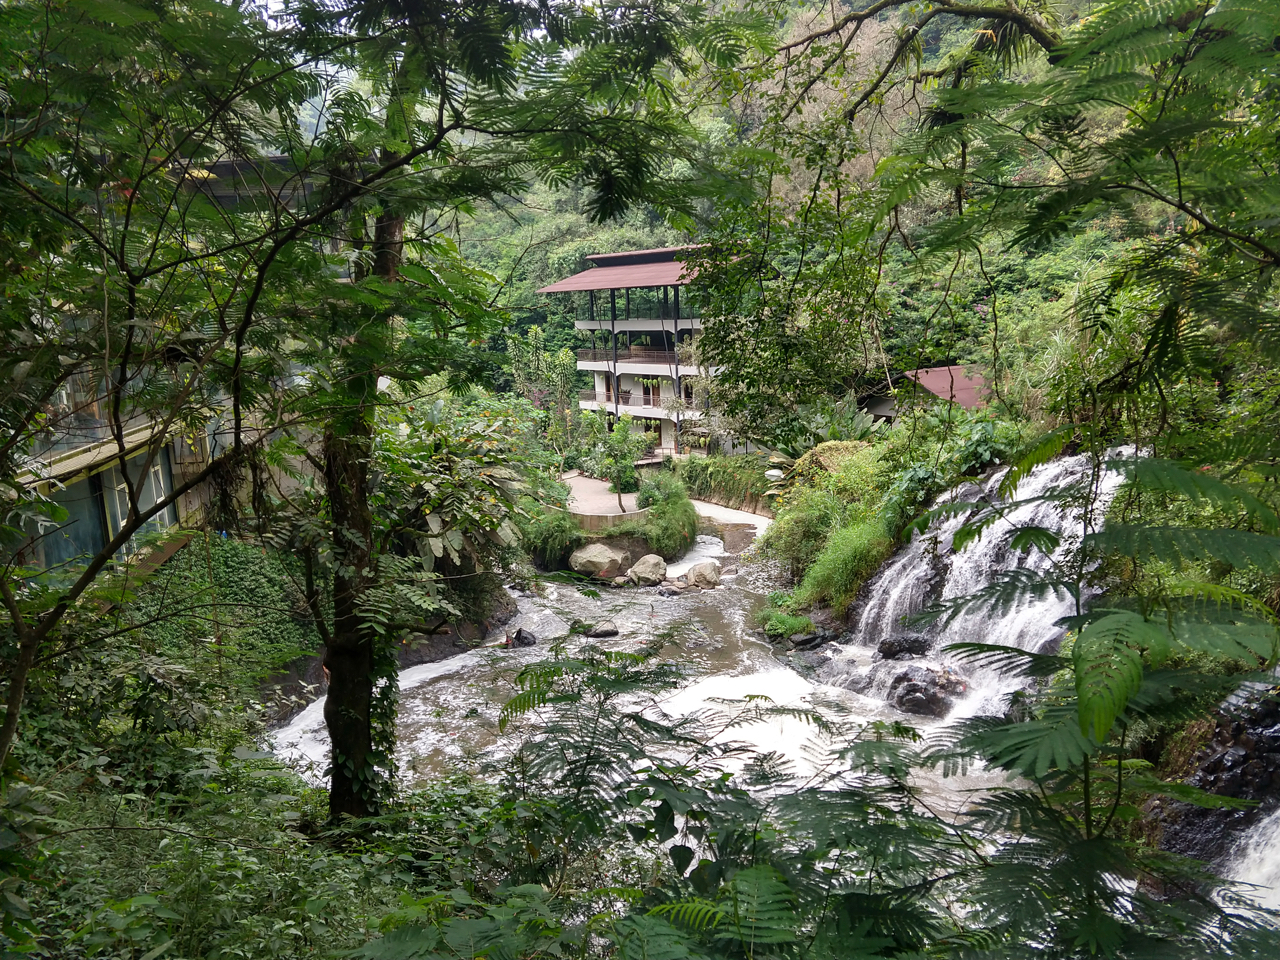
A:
<point x="638" y="325"/>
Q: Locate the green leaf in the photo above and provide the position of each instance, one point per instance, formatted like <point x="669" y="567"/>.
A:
<point x="1044" y="450"/>
<point x="1107" y="657"/>
<point x="1174" y="545"/>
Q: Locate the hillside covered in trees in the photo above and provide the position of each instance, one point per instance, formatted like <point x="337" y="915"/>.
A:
<point x="947" y="627"/>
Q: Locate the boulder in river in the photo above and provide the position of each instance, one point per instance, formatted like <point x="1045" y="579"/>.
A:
<point x="599" y="560"/>
<point x="903" y="646"/>
<point x="648" y="571"/>
<point x="523" y="638"/>
<point x="605" y="629"/>
<point x="925" y="691"/>
<point x="705" y="574"/>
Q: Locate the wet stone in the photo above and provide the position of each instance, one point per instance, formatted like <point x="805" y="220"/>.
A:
<point x="903" y="646"/>
<point x="523" y="638"/>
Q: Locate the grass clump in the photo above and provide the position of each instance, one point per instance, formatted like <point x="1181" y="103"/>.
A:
<point x="800" y="531"/>
<point x="779" y="625"/>
<point x="547" y="533"/>
<point x="851" y="555"/>
<point x="671" y="525"/>
<point x="659" y="487"/>
<point x="778" y="619"/>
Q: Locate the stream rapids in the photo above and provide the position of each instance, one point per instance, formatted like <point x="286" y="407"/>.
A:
<point x="449" y="709"/>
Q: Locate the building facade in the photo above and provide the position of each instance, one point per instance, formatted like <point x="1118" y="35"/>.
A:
<point x="640" y="331"/>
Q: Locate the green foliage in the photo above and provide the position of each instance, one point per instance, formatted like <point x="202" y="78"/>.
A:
<point x="547" y="532"/>
<point x="659" y="487"/>
<point x="731" y="480"/>
<point x="230" y="607"/>
<point x="671" y="524"/>
<point x="779" y="625"/>
<point x="801" y="528"/>
<point x="850" y="555"/>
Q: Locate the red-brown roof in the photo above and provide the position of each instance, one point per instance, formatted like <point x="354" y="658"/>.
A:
<point x="962" y="385"/>
<point x="629" y="268"/>
<point x="615" y="278"/>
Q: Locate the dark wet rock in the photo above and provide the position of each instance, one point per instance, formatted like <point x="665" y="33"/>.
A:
<point x="925" y="691"/>
<point x="903" y="646"/>
<point x="523" y="638"/>
<point x="810" y="659"/>
<point x="802" y="640"/>
<point x="606" y="629"/>
<point x="1241" y="759"/>
<point x="669" y="591"/>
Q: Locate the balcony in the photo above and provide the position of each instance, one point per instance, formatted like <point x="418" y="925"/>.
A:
<point x="628" y="354"/>
<point x="636" y="402"/>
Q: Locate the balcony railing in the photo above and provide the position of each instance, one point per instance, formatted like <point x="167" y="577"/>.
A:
<point x="633" y="398"/>
<point x="595" y="356"/>
<point x="629" y="354"/>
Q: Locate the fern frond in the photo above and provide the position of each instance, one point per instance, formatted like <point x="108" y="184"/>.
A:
<point x="1006" y="591"/>
<point x="1011" y="661"/>
<point x="1175" y="545"/>
<point x="759" y="908"/>
<point x="1042" y="451"/>
<point x="1165" y="476"/>
<point x="697" y="915"/>
<point x="1107" y="657"/>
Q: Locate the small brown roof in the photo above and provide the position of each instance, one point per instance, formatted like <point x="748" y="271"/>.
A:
<point x="629" y="268"/>
<point x="960" y="384"/>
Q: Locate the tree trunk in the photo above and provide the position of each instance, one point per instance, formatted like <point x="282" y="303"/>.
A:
<point x="349" y="655"/>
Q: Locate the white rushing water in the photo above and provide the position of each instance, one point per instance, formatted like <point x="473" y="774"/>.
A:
<point x="1256" y="861"/>
<point x="927" y="567"/>
<point x="448" y="709"/>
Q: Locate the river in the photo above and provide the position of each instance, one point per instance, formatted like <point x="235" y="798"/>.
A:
<point x="448" y="718"/>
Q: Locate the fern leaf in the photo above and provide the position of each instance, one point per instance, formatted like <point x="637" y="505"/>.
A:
<point x="1009" y="660"/>
<point x="1165" y="476"/>
<point x="759" y="907"/>
<point x="1174" y="545"/>
<point x="1221" y="596"/>
<point x="1032" y="748"/>
<point x="1107" y="657"/>
<point x="1041" y="452"/>
<point x="697" y="915"/>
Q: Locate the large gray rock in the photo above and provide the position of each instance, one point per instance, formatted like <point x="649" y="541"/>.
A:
<point x="925" y="691"/>
<point x="599" y="560"/>
<point x="649" y="571"/>
<point x="903" y="646"/>
<point x="705" y="574"/>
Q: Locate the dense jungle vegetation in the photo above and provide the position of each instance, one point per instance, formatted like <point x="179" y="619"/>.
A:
<point x="315" y="238"/>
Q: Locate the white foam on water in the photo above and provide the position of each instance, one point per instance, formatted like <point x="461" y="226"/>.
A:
<point x="1257" y="862"/>
<point x="304" y="741"/>
<point x="902" y="587"/>
<point x="704" y="548"/>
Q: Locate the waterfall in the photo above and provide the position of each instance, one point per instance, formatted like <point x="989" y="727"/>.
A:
<point x="1256" y="861"/>
<point x="927" y="570"/>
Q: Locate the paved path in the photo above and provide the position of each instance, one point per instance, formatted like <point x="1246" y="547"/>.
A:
<point x="594" y="496"/>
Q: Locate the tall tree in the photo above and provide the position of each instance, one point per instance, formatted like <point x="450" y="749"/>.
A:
<point x="179" y="184"/>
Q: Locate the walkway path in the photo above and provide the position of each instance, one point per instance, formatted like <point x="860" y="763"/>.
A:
<point x="594" y="496"/>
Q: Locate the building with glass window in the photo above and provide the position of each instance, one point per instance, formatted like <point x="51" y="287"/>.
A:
<point x="630" y="305"/>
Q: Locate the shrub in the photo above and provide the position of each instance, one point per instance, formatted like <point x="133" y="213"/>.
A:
<point x="851" y="555"/>
<point x="734" y="479"/>
<point x="658" y="488"/>
<point x="802" y="527"/>
<point x="548" y="534"/>
<point x="671" y="527"/>
<point x="780" y="625"/>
